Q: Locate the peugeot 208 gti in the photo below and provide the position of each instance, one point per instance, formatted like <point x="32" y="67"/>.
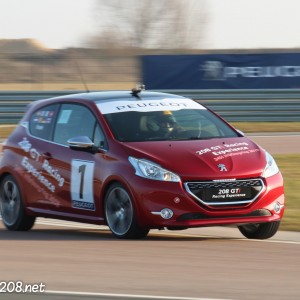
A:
<point x="136" y="161"/>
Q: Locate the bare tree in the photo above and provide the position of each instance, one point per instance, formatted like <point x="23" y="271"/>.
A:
<point x="151" y="23"/>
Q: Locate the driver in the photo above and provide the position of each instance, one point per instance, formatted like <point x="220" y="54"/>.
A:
<point x="164" y="123"/>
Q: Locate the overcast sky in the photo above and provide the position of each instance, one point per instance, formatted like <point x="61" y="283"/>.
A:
<point x="231" y="23"/>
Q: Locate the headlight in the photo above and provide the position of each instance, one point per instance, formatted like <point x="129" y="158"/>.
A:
<point x="271" y="167"/>
<point x="150" y="170"/>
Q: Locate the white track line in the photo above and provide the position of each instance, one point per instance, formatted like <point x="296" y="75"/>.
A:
<point x="71" y="224"/>
<point x="166" y="234"/>
<point x="127" y="295"/>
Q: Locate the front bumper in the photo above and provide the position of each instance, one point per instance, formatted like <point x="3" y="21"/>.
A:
<point x="154" y="198"/>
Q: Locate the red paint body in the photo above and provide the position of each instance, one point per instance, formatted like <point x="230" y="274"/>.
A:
<point x="191" y="160"/>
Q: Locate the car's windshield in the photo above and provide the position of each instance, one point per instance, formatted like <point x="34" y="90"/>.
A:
<point x="184" y="124"/>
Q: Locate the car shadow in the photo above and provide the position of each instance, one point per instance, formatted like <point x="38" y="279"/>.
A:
<point x="62" y="234"/>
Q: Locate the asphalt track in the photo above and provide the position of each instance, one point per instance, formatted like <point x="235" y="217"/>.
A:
<point x="78" y="261"/>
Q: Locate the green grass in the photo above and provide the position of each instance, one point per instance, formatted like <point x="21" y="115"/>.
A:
<point x="5" y="130"/>
<point x="289" y="166"/>
<point x="248" y="127"/>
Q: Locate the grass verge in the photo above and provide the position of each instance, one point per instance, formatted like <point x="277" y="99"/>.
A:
<point x="249" y="127"/>
<point x="289" y="166"/>
<point x="5" y="130"/>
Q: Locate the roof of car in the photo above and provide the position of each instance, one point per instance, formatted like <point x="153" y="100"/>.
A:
<point x="117" y="95"/>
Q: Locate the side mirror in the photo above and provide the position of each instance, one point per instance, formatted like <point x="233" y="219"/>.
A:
<point x="82" y="143"/>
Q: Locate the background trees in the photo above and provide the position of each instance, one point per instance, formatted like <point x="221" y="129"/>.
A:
<point x="164" y="24"/>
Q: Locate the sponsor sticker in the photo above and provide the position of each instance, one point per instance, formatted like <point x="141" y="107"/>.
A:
<point x="64" y="116"/>
<point x="147" y="105"/>
<point x="38" y="167"/>
<point x="82" y="175"/>
<point x="227" y="150"/>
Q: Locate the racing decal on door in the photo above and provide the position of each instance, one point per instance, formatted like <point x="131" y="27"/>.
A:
<point x="36" y="165"/>
<point x="82" y="189"/>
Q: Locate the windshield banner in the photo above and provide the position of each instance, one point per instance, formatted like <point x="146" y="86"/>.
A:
<point x="222" y="71"/>
<point x="147" y="105"/>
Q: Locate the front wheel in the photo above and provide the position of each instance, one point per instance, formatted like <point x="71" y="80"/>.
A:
<point x="120" y="214"/>
<point x="260" y="231"/>
<point x="12" y="207"/>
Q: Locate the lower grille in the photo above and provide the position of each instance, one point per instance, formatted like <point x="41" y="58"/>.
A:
<point x="218" y="193"/>
<point x="200" y="216"/>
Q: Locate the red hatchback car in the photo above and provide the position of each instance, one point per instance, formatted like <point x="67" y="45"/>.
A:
<point x="136" y="161"/>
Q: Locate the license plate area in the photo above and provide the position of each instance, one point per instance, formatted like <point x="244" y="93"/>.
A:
<point x="227" y="194"/>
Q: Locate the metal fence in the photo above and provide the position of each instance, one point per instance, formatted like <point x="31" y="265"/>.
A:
<point x="233" y="105"/>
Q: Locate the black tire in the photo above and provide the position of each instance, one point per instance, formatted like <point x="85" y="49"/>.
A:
<point x="259" y="231"/>
<point x="12" y="207"/>
<point x="120" y="214"/>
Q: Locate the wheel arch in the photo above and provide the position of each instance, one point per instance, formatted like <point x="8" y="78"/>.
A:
<point x="18" y="178"/>
<point x="3" y="175"/>
<point x="118" y="180"/>
<point x="21" y="220"/>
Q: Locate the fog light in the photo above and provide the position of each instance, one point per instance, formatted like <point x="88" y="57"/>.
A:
<point x="166" y="213"/>
<point x="277" y="207"/>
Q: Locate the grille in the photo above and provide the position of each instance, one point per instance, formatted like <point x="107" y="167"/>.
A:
<point x="200" y="216"/>
<point x="218" y="193"/>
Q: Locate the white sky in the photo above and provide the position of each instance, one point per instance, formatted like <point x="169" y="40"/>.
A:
<point x="231" y="23"/>
<point x="254" y="23"/>
<point x="55" y="23"/>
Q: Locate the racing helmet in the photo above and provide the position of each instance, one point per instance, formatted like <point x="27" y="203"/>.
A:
<point x="164" y="122"/>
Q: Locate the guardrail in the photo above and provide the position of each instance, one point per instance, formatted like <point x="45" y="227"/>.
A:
<point x="233" y="105"/>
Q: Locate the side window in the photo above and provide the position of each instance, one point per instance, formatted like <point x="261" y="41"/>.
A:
<point x="76" y="120"/>
<point x="42" y="122"/>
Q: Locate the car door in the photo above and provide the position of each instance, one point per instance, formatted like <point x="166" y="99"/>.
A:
<point x="79" y="189"/>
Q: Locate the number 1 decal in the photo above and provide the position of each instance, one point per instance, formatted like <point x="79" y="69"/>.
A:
<point x="81" y="170"/>
<point x="82" y="189"/>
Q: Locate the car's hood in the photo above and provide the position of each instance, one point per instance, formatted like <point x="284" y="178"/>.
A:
<point x="204" y="159"/>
